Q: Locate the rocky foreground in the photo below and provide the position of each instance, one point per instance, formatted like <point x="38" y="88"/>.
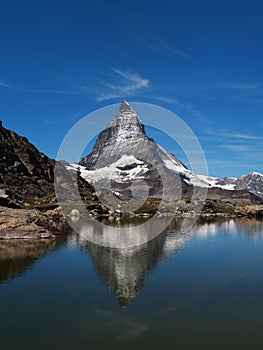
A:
<point x="34" y="224"/>
<point x="29" y="223"/>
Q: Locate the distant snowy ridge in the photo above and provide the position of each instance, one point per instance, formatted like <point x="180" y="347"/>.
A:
<point x="253" y="182"/>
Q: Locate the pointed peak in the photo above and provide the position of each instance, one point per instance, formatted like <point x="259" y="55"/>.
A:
<point x="127" y="121"/>
<point x="124" y="107"/>
<point x="124" y="102"/>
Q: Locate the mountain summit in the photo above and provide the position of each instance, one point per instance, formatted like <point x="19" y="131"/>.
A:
<point x="125" y="136"/>
<point x="123" y="155"/>
<point x="127" y="124"/>
<point x="121" y="136"/>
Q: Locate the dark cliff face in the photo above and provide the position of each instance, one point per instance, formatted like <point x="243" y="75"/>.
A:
<point x="25" y="173"/>
<point x="17" y="152"/>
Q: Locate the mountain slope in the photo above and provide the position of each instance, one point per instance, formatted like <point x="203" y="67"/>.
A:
<point x="125" y="135"/>
<point x="26" y="174"/>
<point x="124" y="154"/>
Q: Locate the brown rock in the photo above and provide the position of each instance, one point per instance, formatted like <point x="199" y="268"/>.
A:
<point x="25" y="224"/>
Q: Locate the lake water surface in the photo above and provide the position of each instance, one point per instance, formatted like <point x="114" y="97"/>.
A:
<point x="199" y="290"/>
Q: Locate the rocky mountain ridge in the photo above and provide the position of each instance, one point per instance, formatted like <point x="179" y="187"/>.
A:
<point x="26" y="175"/>
<point x="28" y="204"/>
<point x="124" y="154"/>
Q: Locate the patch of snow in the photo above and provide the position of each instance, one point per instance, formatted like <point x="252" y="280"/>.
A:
<point x="195" y="180"/>
<point x="75" y="166"/>
<point x="172" y="166"/>
<point x="214" y="182"/>
<point x="230" y="187"/>
<point x="112" y="171"/>
<point x="171" y="161"/>
<point x="128" y="160"/>
<point x="139" y="168"/>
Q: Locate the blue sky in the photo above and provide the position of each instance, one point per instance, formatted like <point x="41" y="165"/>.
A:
<point x="200" y="59"/>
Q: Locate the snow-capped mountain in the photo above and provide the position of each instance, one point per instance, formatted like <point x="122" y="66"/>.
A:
<point x="123" y="137"/>
<point x="253" y="182"/>
<point x="124" y="154"/>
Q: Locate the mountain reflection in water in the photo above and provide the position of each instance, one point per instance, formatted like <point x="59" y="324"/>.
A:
<point x="18" y="255"/>
<point x="122" y="270"/>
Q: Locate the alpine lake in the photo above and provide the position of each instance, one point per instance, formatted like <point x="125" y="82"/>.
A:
<point x="199" y="289"/>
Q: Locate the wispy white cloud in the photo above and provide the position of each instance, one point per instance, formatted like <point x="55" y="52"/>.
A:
<point x="129" y="84"/>
<point x="244" y="150"/>
<point x="2" y="84"/>
<point x="243" y="86"/>
<point x="51" y="91"/>
<point x="167" y="49"/>
<point x="177" y="102"/>
<point x="137" y="81"/>
<point x="167" y="100"/>
<point x="180" y="104"/>
<point x="226" y="133"/>
<point x="75" y="90"/>
<point x="50" y="121"/>
<point x="244" y="136"/>
<point x="175" y="51"/>
<point x="216" y="165"/>
<point x="237" y="148"/>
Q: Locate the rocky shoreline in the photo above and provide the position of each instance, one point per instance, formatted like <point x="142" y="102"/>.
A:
<point x="30" y="223"/>
<point x="33" y="224"/>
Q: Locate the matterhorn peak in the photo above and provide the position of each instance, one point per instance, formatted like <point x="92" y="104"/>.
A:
<point x="127" y="119"/>
<point x="125" y="107"/>
<point x="125" y="136"/>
